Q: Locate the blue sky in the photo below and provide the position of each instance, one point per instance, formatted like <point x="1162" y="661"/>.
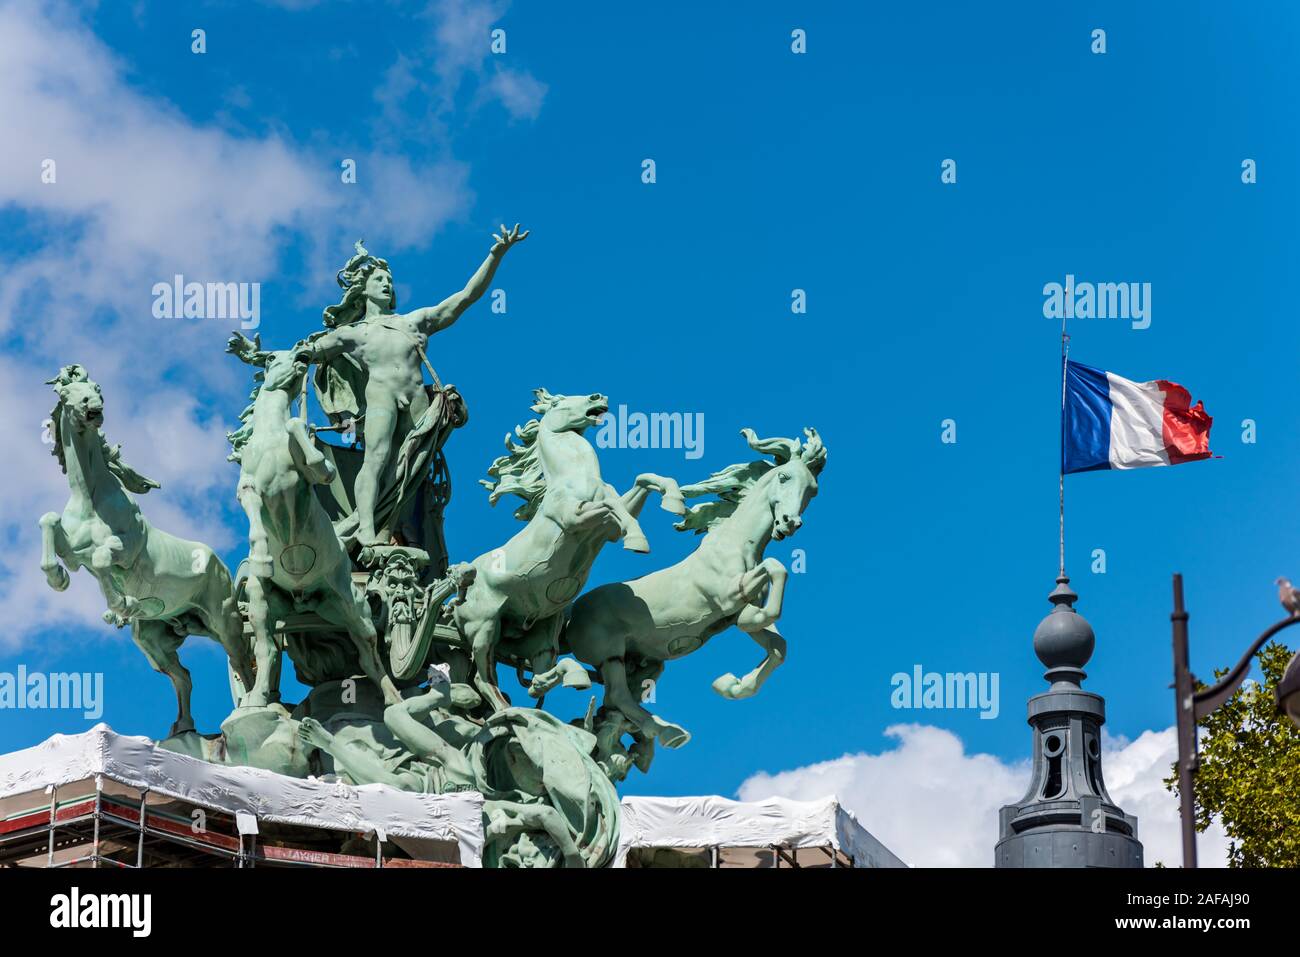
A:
<point x="775" y="171"/>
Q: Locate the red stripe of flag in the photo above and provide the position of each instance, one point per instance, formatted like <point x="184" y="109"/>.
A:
<point x="1186" y="427"/>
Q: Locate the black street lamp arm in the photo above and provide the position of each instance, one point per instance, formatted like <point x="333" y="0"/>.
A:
<point x="1190" y="706"/>
<point x="1212" y="698"/>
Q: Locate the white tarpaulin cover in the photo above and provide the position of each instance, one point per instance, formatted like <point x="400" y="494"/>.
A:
<point x="718" y="822"/>
<point x="139" y="763"/>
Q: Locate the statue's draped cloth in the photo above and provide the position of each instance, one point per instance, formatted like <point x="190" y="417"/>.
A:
<point x="340" y="388"/>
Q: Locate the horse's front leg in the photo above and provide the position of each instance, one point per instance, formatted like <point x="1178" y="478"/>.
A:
<point x="107" y="546"/>
<point x="647" y="482"/>
<point x="483" y="635"/>
<point x="311" y="461"/>
<point x="755" y="617"/>
<point x="759" y="621"/>
<point x="266" y="650"/>
<point x="634" y="539"/>
<point x="121" y="606"/>
<point x="53" y="544"/>
<point x="259" y="551"/>
<point x="340" y="607"/>
<point x="731" y="687"/>
<point x="541" y="646"/>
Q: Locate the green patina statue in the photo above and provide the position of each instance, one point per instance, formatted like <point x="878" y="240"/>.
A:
<point x="546" y="800"/>
<point x="521" y="589"/>
<point x="166" y="588"/>
<point x="347" y="574"/>
<point x="370" y="371"/>
<point x="628" y="630"/>
<point x="295" y="561"/>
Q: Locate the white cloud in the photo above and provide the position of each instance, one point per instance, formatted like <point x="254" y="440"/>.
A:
<point x="934" y="805"/>
<point x="141" y="193"/>
<point x="519" y="92"/>
<point x="420" y="91"/>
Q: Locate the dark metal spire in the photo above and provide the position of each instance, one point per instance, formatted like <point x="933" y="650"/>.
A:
<point x="1066" y="818"/>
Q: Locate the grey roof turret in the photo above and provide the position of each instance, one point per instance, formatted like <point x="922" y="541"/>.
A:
<point x="1066" y="818"/>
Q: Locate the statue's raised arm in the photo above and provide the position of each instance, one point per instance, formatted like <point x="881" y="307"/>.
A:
<point x="370" y="371"/>
<point x="433" y="319"/>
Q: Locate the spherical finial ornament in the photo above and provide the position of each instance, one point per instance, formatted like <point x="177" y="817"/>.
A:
<point x="1064" y="640"/>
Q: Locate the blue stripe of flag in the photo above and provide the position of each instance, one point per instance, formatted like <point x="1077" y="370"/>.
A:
<point x="1086" y="419"/>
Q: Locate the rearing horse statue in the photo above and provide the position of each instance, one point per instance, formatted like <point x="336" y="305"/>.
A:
<point x="521" y="589"/>
<point x="627" y="630"/>
<point x="167" y="588"/>
<point x="295" y="560"/>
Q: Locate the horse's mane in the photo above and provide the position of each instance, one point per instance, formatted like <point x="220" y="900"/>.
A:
<point x="250" y="352"/>
<point x="56" y="433"/>
<point x="732" y="484"/>
<point x="130" y="479"/>
<point x="239" y="438"/>
<point x="519" y="471"/>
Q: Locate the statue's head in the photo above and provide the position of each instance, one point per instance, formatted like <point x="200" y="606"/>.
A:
<point x="365" y="278"/>
<point x="79" y="397"/>
<point x="379" y="287"/>
<point x="569" y="413"/>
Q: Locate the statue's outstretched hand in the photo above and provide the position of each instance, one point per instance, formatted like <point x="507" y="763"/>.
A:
<point x="240" y="345"/>
<point x="507" y="238"/>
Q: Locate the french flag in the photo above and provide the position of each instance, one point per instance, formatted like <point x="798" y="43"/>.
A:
<point x="1113" y="423"/>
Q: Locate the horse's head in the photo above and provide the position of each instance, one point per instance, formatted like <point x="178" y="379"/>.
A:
<point x="784" y="488"/>
<point x="791" y="485"/>
<point x="284" y="370"/>
<point x="569" y="413"/>
<point x="79" y="397"/>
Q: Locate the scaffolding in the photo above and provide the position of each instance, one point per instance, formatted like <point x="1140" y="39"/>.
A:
<point x="748" y="858"/>
<point x="100" y="799"/>
<point x="99" y="822"/>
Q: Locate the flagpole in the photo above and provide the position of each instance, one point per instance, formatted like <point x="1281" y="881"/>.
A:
<point x="1065" y="358"/>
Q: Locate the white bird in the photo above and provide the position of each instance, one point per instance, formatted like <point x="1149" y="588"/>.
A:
<point x="1288" y="595"/>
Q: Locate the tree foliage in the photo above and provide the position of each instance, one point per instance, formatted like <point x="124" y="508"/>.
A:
<point x="1249" y="775"/>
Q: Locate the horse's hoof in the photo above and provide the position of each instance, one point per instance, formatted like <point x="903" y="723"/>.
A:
<point x="727" y="685"/>
<point x="673" y="736"/>
<point x="636" y="543"/>
<point x="577" y="678"/>
<point x="673" y="503"/>
<point x="58" y="578"/>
